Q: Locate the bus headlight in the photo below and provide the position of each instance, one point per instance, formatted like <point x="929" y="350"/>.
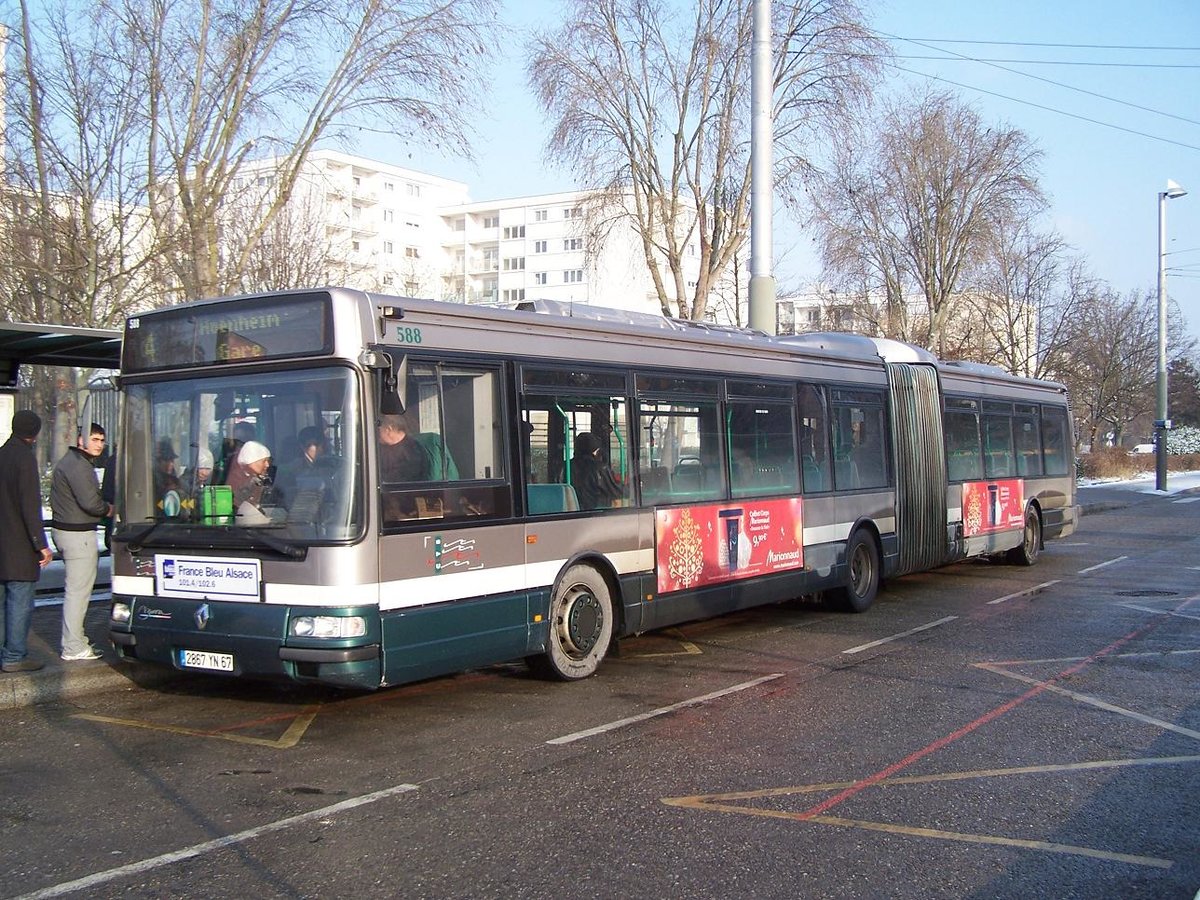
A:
<point x="120" y="613"/>
<point x="328" y="626"/>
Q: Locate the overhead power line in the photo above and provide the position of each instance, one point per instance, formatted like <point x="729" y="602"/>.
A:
<point x="953" y="56"/>
<point x="1060" y="46"/>
<point x="1061" y="112"/>
<point x="1062" y="62"/>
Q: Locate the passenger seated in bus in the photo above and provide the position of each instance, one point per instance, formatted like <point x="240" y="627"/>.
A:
<point x="303" y="481"/>
<point x="593" y="480"/>
<point x="250" y="481"/>
<point x="197" y="478"/>
<point x="400" y="459"/>
<point x="230" y="446"/>
<point x="310" y="447"/>
<point x="441" y="464"/>
<point x="165" y="479"/>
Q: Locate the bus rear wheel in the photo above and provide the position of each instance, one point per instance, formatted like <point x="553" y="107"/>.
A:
<point x="1026" y="554"/>
<point x="862" y="575"/>
<point x="581" y="626"/>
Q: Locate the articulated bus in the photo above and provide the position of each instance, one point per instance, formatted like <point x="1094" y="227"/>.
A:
<point x="564" y="477"/>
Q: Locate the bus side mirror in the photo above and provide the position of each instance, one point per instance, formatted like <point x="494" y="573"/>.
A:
<point x="393" y="380"/>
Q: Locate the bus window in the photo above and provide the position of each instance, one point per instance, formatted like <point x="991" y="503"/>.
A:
<point x="1054" y="440"/>
<point x="680" y="452"/>
<point x="199" y="426"/>
<point x="576" y="452"/>
<point x="859" y="440"/>
<point x="1028" y="441"/>
<point x="762" y="448"/>
<point x="455" y="466"/>
<point x="964" y="457"/>
<point x="814" y="440"/>
<point x="998" y="461"/>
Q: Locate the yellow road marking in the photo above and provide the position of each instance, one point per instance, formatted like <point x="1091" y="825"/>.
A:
<point x="689" y="649"/>
<point x="290" y="737"/>
<point x="1045" y="846"/>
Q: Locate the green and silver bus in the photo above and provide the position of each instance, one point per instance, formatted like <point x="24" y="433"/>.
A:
<point x="571" y="477"/>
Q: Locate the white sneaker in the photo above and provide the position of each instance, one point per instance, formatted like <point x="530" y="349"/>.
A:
<point x="89" y="653"/>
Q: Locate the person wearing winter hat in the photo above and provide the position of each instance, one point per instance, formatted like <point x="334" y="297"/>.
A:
<point x="196" y="478"/>
<point x="202" y="473"/>
<point x="248" y="477"/>
<point x="23" y="550"/>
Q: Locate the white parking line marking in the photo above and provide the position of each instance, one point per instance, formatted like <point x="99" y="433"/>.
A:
<point x="896" y="637"/>
<point x="146" y="865"/>
<point x="1187" y="500"/>
<point x="662" y="710"/>
<point x="1024" y="593"/>
<point x="1101" y="565"/>
<point x="1093" y="701"/>
<point x="1159" y="612"/>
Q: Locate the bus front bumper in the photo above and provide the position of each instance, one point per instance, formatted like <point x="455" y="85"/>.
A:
<point x="248" y="640"/>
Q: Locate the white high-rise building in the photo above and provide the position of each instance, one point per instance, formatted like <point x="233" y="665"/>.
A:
<point x="393" y="229"/>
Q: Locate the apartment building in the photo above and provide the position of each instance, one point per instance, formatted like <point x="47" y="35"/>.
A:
<point x="388" y="228"/>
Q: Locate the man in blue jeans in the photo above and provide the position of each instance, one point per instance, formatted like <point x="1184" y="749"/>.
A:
<point x="23" y="549"/>
<point x="77" y="509"/>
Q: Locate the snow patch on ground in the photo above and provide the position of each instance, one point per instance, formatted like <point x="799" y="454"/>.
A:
<point x="1144" y="483"/>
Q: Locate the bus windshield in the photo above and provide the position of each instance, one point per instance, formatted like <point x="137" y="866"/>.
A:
<point x="205" y="459"/>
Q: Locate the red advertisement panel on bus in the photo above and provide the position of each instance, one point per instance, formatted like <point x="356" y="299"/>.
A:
<point x="699" y="545"/>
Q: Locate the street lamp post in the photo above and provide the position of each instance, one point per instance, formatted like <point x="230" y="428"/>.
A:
<point x="1162" y="424"/>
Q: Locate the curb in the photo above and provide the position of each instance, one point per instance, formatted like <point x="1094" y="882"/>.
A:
<point x="53" y="685"/>
<point x="61" y="681"/>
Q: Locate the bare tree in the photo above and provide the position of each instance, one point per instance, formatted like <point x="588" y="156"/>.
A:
<point x="75" y="240"/>
<point x="650" y="106"/>
<point x="1017" y="281"/>
<point x="1108" y="362"/>
<point x="1058" y="318"/>
<point x="293" y="251"/>
<point x="858" y="240"/>
<point x="227" y="80"/>
<point x="71" y="121"/>
<point x="916" y="203"/>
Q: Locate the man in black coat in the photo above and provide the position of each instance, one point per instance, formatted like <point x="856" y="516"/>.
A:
<point x="23" y="549"/>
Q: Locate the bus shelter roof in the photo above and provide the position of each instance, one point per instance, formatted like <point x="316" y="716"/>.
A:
<point x="32" y="343"/>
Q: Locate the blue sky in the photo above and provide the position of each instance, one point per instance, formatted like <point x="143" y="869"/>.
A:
<point x="1103" y="182"/>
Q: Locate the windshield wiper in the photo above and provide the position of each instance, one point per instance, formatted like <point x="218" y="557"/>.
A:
<point x="291" y="551"/>
<point x="283" y="548"/>
<point x="136" y="543"/>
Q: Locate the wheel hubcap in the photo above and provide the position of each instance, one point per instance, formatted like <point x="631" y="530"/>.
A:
<point x="860" y="569"/>
<point x="582" y="623"/>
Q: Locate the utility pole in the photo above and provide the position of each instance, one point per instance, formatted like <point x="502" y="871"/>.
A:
<point x="1162" y="424"/>
<point x="762" y="282"/>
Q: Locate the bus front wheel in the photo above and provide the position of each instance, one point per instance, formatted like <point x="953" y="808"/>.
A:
<point x="1027" y="552"/>
<point x="862" y="574"/>
<point x="581" y="626"/>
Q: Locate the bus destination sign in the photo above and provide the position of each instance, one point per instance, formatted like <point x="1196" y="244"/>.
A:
<point x="229" y="332"/>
